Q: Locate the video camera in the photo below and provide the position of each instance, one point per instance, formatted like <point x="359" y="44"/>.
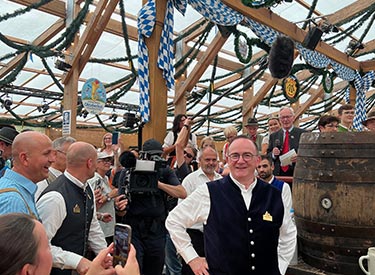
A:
<point x="143" y="177"/>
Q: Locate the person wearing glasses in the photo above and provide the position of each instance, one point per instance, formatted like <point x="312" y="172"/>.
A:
<point x="247" y="225"/>
<point x="328" y="123"/>
<point x="61" y="146"/>
<point x="283" y="141"/>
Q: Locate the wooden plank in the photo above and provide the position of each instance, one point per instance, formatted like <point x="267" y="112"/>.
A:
<point x="348" y="11"/>
<point x="368" y="65"/>
<point x="267" y="17"/>
<point x="202" y="64"/>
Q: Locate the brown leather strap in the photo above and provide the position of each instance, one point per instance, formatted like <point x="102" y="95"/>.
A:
<point x="5" y="190"/>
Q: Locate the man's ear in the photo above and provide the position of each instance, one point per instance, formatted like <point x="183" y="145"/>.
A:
<point x="27" y="269"/>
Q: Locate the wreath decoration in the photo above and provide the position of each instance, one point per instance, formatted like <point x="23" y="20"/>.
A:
<point x="291" y="88"/>
<point x="256" y="4"/>
<point x="249" y="43"/>
<point x="327" y="82"/>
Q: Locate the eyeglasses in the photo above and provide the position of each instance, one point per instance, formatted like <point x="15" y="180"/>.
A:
<point x="245" y="156"/>
<point x="107" y="138"/>
<point x="190" y="156"/>
<point x="62" y="152"/>
<point x="106" y="160"/>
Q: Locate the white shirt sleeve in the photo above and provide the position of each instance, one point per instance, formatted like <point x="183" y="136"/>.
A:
<point x="96" y="236"/>
<point x="194" y="209"/>
<point x="168" y="140"/>
<point x="41" y="186"/>
<point x="288" y="232"/>
<point x="52" y="211"/>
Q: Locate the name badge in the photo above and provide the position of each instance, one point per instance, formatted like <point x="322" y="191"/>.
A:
<point x="76" y="209"/>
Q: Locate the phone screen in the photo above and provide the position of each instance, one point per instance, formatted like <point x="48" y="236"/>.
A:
<point x="115" y="136"/>
<point x="122" y="239"/>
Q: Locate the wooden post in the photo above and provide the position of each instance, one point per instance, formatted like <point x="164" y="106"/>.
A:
<point x="247" y="107"/>
<point x="156" y="127"/>
<point x="180" y="105"/>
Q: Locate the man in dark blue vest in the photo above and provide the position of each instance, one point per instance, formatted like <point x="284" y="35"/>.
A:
<point x="246" y="221"/>
<point x="67" y="210"/>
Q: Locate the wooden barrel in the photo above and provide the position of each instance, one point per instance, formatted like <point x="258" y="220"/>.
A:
<point x="334" y="199"/>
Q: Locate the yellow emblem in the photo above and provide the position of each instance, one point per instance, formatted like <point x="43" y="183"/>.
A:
<point x="267" y="217"/>
<point x="76" y="209"/>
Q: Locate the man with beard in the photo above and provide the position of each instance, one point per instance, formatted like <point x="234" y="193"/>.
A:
<point x="207" y="158"/>
<point x="265" y="172"/>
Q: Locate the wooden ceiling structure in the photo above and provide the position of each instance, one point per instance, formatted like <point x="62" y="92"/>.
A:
<point x="101" y="20"/>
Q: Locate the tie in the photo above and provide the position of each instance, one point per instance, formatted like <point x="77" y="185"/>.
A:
<point x="254" y="138"/>
<point x="285" y="150"/>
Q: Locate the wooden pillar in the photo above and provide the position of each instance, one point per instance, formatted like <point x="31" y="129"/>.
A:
<point x="156" y="127"/>
<point x="71" y="86"/>
<point x="247" y="106"/>
<point x="295" y="106"/>
<point x="352" y="95"/>
<point x="180" y="105"/>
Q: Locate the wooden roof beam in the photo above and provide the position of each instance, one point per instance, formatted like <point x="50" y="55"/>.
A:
<point x="267" y="17"/>
<point x="203" y="63"/>
<point x="368" y="65"/>
<point x="90" y="37"/>
<point x="368" y="47"/>
<point x="40" y="40"/>
<point x="348" y="11"/>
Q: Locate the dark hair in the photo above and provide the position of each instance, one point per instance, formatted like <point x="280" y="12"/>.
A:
<point x="327" y="119"/>
<point x="18" y="245"/>
<point x="268" y="158"/>
<point x="176" y="123"/>
<point x="345" y="107"/>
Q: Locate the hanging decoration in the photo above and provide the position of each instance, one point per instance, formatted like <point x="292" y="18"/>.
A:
<point x="327" y="82"/>
<point x="291" y="88"/>
<point x="242" y="47"/>
<point x="93" y="96"/>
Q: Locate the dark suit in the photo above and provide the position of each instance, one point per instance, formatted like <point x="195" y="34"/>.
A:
<point x="294" y="137"/>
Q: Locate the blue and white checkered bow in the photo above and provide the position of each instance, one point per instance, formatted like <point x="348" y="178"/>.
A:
<point x="146" y="23"/>
<point x="165" y="55"/>
<point x="362" y="85"/>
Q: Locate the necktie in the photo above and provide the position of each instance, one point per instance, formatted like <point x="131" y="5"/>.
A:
<point x="285" y="149"/>
<point x="254" y="138"/>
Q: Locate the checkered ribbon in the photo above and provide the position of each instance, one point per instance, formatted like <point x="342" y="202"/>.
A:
<point x="313" y="58"/>
<point x="180" y="5"/>
<point x="347" y="95"/>
<point x="165" y="55"/>
<point x="362" y="85"/>
<point x="265" y="33"/>
<point x="217" y="12"/>
<point x="146" y="23"/>
<point x="343" y="72"/>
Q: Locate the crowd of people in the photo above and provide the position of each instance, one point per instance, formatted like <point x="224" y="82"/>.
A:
<point x="192" y="214"/>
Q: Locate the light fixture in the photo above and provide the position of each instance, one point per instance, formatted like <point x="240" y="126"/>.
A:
<point x="7" y="101"/>
<point x="113" y="115"/>
<point x="353" y="47"/>
<point x="43" y="107"/>
<point x="63" y="66"/>
<point x="312" y="38"/>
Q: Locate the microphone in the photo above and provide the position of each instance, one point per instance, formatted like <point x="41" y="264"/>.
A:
<point x="281" y="57"/>
<point x="127" y="159"/>
<point x="278" y="144"/>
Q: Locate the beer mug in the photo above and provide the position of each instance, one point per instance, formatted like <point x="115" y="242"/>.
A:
<point x="370" y="257"/>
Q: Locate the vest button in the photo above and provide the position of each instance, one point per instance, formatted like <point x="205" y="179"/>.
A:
<point x="252" y="242"/>
<point x="253" y="268"/>
<point x="251" y="231"/>
<point x="249" y="219"/>
<point x="252" y="255"/>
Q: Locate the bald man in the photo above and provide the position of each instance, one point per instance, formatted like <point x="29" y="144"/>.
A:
<point x="67" y="209"/>
<point x="32" y="154"/>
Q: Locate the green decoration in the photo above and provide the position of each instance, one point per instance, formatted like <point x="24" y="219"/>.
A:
<point x="327" y="82"/>
<point x="256" y="4"/>
<point x="291" y="88"/>
<point x="244" y="59"/>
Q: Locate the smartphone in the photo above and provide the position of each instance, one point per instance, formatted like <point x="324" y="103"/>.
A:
<point x="115" y="136"/>
<point x="121" y="240"/>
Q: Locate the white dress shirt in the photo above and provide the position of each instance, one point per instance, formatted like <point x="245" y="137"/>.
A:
<point x="52" y="211"/>
<point x="42" y="185"/>
<point x="196" y="208"/>
<point x="191" y="182"/>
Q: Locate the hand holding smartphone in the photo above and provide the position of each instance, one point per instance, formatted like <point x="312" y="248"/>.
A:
<point x="122" y="240"/>
<point x="115" y="136"/>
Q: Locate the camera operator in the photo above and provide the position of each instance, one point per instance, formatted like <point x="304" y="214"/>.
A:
<point x="147" y="210"/>
<point x="7" y="135"/>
